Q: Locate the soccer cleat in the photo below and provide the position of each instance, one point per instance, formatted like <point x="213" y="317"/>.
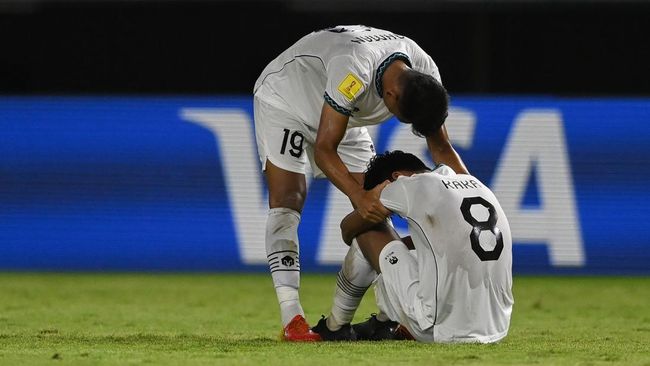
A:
<point x="345" y="333"/>
<point x="298" y="331"/>
<point x="375" y="330"/>
<point x="403" y="334"/>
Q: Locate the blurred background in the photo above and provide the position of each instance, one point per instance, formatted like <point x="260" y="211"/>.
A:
<point x="126" y="136"/>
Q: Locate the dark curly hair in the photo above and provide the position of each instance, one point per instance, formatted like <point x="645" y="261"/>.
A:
<point x="423" y="102"/>
<point x="382" y="166"/>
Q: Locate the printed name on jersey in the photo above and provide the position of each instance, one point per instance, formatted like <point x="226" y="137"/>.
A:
<point x="376" y="38"/>
<point x="461" y="184"/>
<point x="350" y="86"/>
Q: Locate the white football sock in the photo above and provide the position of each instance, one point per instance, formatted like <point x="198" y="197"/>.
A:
<point x="282" y="253"/>
<point x="352" y="281"/>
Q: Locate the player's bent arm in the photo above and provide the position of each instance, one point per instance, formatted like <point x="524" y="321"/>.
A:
<point x="442" y="152"/>
<point x="354" y="224"/>
<point x="331" y="129"/>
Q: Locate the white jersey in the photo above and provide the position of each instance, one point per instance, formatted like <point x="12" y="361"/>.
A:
<point x="464" y="254"/>
<point x="342" y="66"/>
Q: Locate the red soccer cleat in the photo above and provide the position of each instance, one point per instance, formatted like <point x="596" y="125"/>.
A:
<point x="298" y="331"/>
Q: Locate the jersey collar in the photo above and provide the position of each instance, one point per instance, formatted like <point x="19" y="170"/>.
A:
<point x="384" y="65"/>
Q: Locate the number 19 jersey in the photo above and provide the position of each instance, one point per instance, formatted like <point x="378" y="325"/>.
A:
<point x="464" y="254"/>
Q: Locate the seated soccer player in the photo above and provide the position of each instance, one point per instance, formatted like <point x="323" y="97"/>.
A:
<point x="456" y="285"/>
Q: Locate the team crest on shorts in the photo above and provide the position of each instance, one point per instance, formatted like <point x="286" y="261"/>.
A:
<point x="391" y="258"/>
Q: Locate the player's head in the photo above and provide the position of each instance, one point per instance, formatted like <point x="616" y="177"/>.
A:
<point x="389" y="165"/>
<point x="422" y="102"/>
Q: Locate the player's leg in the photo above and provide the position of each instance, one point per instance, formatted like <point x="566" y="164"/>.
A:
<point x="285" y="175"/>
<point x="352" y="281"/>
<point x="378" y="326"/>
<point x="287" y="191"/>
<point x="354" y="278"/>
<point x="356" y="274"/>
<point x="286" y="199"/>
<point x="397" y="290"/>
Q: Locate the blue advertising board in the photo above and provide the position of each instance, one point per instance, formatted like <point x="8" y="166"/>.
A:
<point x="174" y="184"/>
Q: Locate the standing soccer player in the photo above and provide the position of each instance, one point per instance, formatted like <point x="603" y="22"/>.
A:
<point x="311" y="104"/>
<point x="458" y="285"/>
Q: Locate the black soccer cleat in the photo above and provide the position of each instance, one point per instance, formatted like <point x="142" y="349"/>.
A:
<point x="375" y="330"/>
<point x="346" y="333"/>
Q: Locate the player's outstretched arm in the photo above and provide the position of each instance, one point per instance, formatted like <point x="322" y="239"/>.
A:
<point x="331" y="130"/>
<point x="442" y="152"/>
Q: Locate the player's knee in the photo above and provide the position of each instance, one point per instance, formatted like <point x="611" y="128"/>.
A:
<point x="286" y="189"/>
<point x="294" y="200"/>
<point x="377" y="238"/>
<point x="283" y="222"/>
<point x="282" y="230"/>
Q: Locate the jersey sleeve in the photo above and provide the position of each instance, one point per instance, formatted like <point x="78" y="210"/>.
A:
<point x="346" y="82"/>
<point x="395" y="199"/>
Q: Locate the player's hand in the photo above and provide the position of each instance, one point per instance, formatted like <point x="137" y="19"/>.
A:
<point x="369" y="206"/>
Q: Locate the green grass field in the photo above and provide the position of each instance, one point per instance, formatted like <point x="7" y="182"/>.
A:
<point x="118" y="319"/>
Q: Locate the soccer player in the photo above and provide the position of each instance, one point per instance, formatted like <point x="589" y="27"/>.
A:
<point x="311" y="105"/>
<point x="457" y="284"/>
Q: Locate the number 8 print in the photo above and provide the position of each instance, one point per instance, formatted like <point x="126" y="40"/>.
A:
<point x="478" y="226"/>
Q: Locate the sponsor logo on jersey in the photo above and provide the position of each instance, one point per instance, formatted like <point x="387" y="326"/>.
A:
<point x="350" y="86"/>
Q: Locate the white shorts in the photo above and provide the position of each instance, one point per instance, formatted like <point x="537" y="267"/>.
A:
<point x="396" y="289"/>
<point x="288" y="142"/>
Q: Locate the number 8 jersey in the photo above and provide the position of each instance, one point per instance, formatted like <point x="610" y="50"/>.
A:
<point x="464" y="254"/>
